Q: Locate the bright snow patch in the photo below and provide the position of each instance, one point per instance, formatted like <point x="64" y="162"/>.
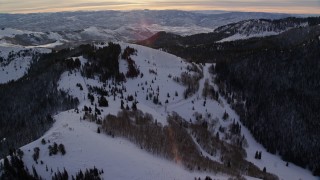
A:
<point x="243" y="36"/>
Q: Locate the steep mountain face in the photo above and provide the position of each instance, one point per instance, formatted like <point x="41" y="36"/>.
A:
<point x="273" y="84"/>
<point x="260" y="27"/>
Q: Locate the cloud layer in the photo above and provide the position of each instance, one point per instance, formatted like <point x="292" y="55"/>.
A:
<point x="281" y="6"/>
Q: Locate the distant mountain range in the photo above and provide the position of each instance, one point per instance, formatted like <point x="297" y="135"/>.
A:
<point x="53" y="29"/>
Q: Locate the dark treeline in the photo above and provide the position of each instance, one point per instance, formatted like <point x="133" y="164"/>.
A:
<point x="14" y="168"/>
<point x="103" y="62"/>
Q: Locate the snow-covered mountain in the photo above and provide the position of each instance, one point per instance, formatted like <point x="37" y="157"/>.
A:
<point x="231" y="32"/>
<point x="119" y="158"/>
<point x="259" y="28"/>
<point x="165" y="99"/>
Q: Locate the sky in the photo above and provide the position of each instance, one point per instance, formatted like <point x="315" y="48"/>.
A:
<point x="277" y="6"/>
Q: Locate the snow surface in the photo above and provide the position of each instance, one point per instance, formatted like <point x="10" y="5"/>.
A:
<point x="10" y="32"/>
<point x="14" y="70"/>
<point x="50" y="45"/>
<point x="121" y="159"/>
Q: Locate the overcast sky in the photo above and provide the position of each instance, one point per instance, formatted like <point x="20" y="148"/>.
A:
<point x="280" y="6"/>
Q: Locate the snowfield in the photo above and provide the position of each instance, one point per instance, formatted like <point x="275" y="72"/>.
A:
<point x="85" y="148"/>
<point x="121" y="159"/>
<point x="238" y="36"/>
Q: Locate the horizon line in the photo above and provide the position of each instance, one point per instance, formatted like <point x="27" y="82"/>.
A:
<point x="128" y="10"/>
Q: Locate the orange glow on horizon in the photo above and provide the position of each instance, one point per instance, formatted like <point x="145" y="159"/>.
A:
<point x="140" y="5"/>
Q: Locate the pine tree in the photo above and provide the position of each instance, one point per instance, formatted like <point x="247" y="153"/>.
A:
<point x="122" y="104"/>
<point x="256" y="156"/>
<point x="134" y="106"/>
<point x="65" y="174"/>
<point x="103" y="102"/>
<point x="35" y="174"/>
<point x="225" y="115"/>
<point x="259" y="155"/>
<point x="62" y="149"/>
<point x="217" y="136"/>
<point x="20" y="153"/>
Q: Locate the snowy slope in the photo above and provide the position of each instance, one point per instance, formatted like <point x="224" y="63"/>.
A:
<point x="16" y="61"/>
<point x="85" y="148"/>
<point x="23" y="38"/>
<point x="121" y="159"/>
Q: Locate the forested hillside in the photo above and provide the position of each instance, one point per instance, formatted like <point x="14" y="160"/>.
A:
<point x="28" y="104"/>
<point x="280" y="88"/>
<point x="273" y="84"/>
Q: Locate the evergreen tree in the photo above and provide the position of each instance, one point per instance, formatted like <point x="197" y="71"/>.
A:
<point x="122" y="107"/>
<point x="134" y="106"/>
<point x="225" y="115"/>
<point x="35" y="174"/>
<point x="103" y="102"/>
<point x="62" y="149"/>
